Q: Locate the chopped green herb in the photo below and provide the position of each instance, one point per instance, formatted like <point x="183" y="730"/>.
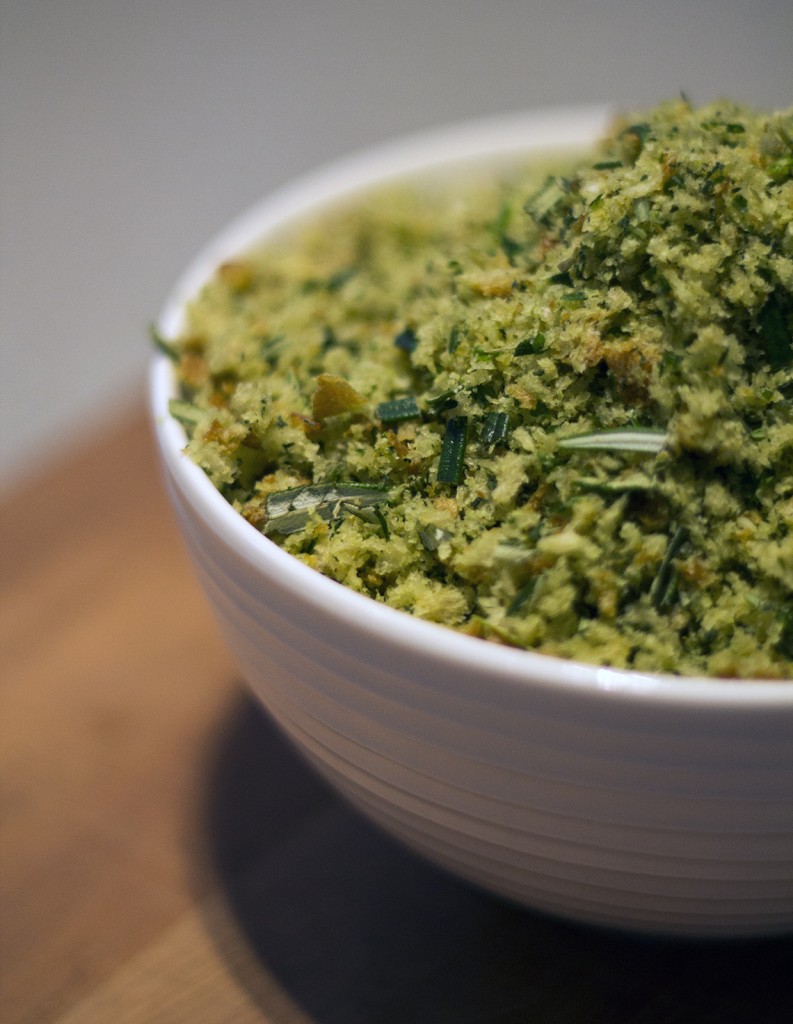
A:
<point x="522" y="597"/>
<point x="452" y="460"/>
<point x="432" y="537"/>
<point x="634" y="139"/>
<point x="445" y="400"/>
<point x="634" y="483"/>
<point x="785" y="642"/>
<point x="781" y="170"/>
<point x="337" y="281"/>
<point x="730" y="127"/>
<point x="641" y="130"/>
<point x="329" y="339"/>
<point x="186" y="413"/>
<point x="533" y="345"/>
<point x="510" y="248"/>
<point x="288" y="511"/>
<point x="494" y="429"/>
<point x="271" y="347"/>
<point x="407" y="340"/>
<point x="397" y="409"/>
<point x="664" y="588"/>
<point x="168" y="348"/>
<point x="542" y="202"/>
<point x="502" y="220"/>
<point x="629" y="439"/>
<point x="368" y="514"/>
<point x="776" y="333"/>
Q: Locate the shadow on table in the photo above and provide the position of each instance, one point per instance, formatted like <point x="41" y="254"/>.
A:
<point x="359" y="931"/>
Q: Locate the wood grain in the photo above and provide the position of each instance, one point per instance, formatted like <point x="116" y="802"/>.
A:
<point x="165" y="857"/>
<point x="113" y="675"/>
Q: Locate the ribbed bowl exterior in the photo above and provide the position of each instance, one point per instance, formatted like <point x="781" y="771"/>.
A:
<point x="635" y="801"/>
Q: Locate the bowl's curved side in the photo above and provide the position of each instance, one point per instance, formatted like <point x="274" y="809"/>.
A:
<point x="615" y="798"/>
<point x="660" y="818"/>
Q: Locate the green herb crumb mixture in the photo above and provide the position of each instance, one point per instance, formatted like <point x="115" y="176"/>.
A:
<point x="551" y="411"/>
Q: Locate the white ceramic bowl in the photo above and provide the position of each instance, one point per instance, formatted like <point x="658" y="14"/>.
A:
<point x="645" y="802"/>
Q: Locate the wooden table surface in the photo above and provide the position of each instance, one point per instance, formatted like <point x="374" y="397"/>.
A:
<point x="166" y="858"/>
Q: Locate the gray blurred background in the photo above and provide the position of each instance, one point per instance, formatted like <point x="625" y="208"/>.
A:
<point x="132" y="130"/>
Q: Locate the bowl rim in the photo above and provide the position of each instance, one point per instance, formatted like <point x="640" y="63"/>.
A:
<point x="486" y="139"/>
